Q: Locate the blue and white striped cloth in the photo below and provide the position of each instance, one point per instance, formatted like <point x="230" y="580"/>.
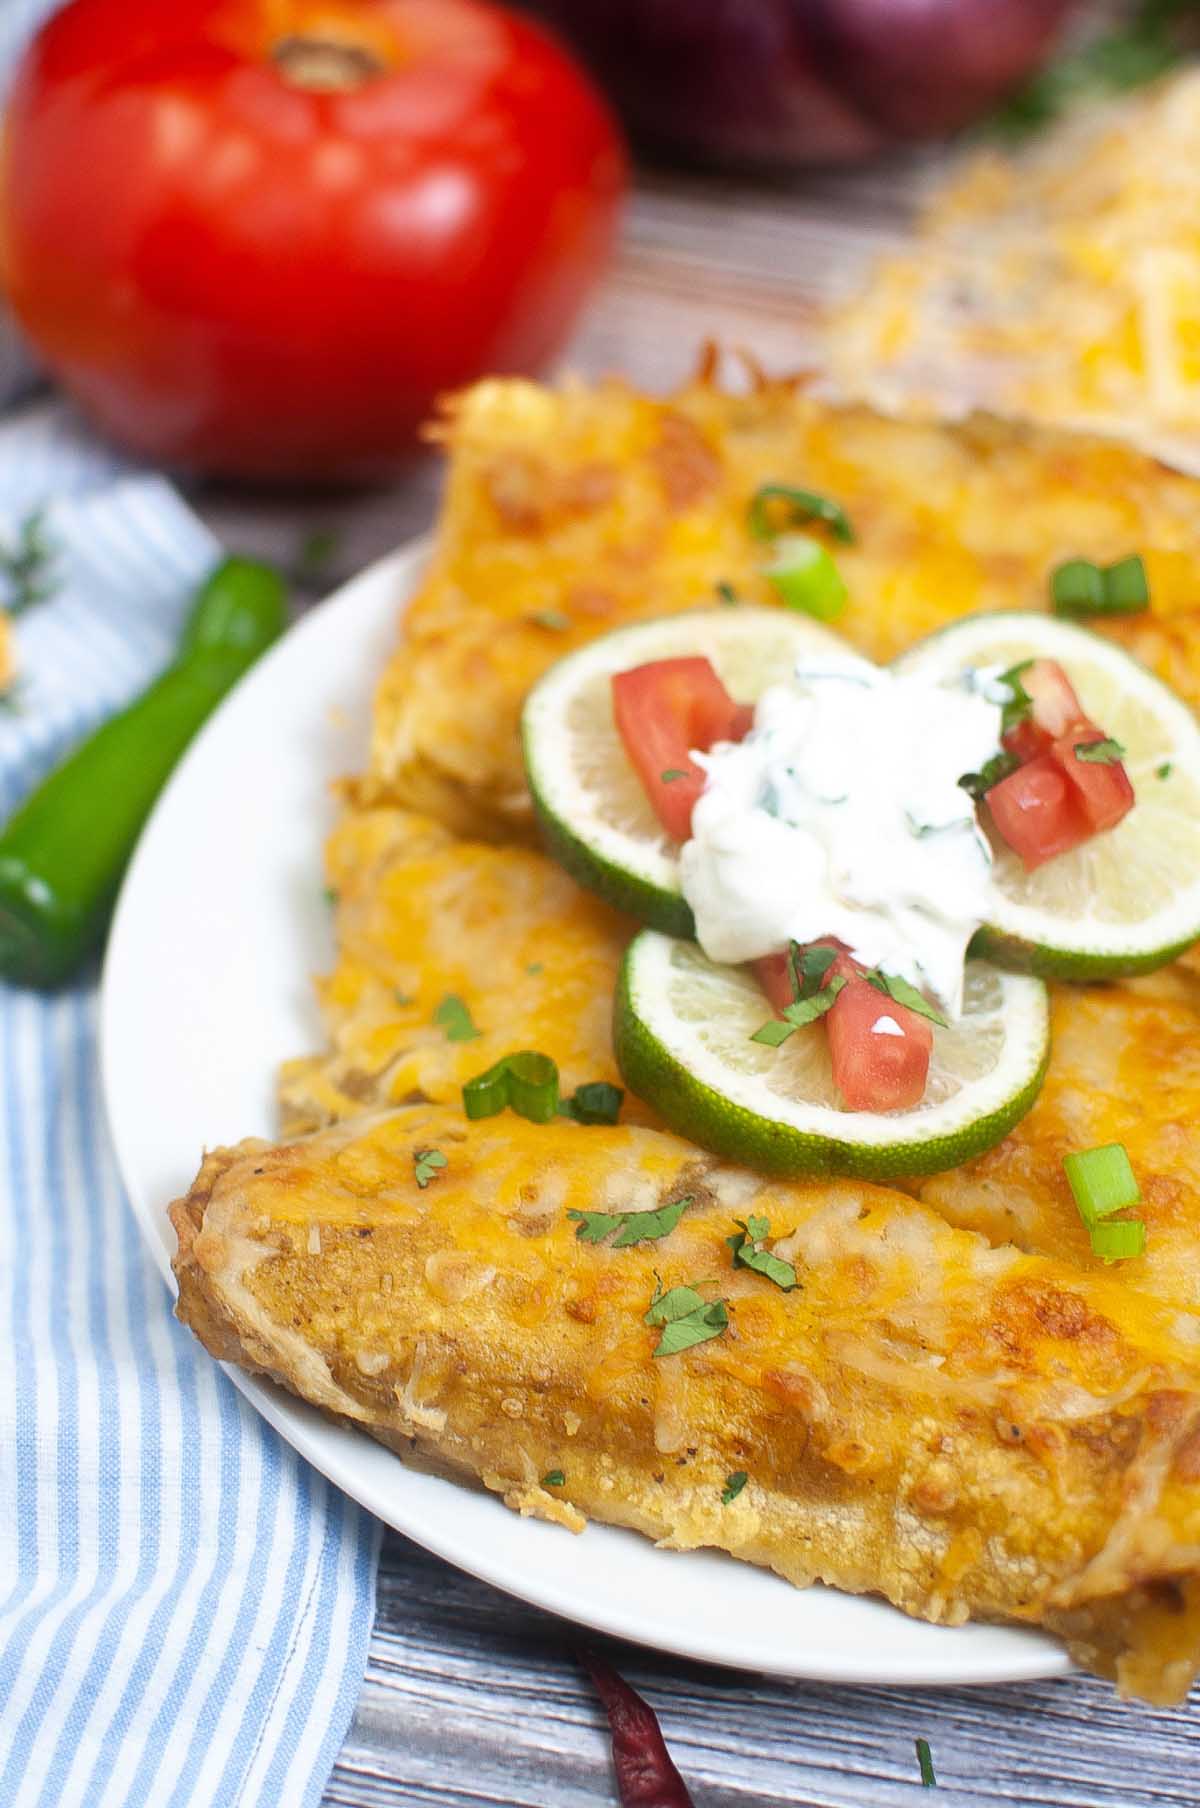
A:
<point x="185" y="1605"/>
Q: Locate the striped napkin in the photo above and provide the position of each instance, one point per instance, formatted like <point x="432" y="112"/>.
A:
<point x="185" y="1605"/>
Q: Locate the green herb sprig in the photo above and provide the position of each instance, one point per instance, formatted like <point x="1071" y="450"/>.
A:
<point x="748" y="1252"/>
<point x="631" y="1227"/>
<point x="427" y="1165"/>
<point x="454" y="1017"/>
<point x="685" y="1318"/>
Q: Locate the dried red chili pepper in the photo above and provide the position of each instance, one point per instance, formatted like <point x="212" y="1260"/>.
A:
<point x="646" y="1775"/>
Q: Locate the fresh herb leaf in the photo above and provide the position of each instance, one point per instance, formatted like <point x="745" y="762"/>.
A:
<point x="895" y="987"/>
<point x="526" y="1082"/>
<point x="801" y="505"/>
<point x="553" y="1478"/>
<point x="749" y="1253"/>
<point x="1163" y="771"/>
<point x="728" y="595"/>
<point x="552" y="619"/>
<point x="454" y="1017"/>
<point x="925" y="1762"/>
<point x="671" y="774"/>
<point x="597" y="1102"/>
<point x="633" y="1227"/>
<point x="978" y="784"/>
<point x="427" y="1164"/>
<point x="26" y="565"/>
<point x="685" y="1317"/>
<point x="1020" y="703"/>
<point x="733" y="1486"/>
<point x="812" y="1003"/>
<point x="1100" y="753"/>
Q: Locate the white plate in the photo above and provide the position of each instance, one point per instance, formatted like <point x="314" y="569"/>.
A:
<point x="221" y="920"/>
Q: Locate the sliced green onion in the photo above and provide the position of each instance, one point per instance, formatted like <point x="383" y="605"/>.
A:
<point x="806" y="577"/>
<point x="802" y="505"/>
<point x="1080" y="587"/>
<point x="1118" y="1239"/>
<point x="527" y="1082"/>
<point x="1126" y="588"/>
<point x="1077" y="588"/>
<point x="487" y="1094"/>
<point x="1102" y="1181"/>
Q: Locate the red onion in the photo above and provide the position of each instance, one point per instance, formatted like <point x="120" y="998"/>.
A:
<point x="781" y="82"/>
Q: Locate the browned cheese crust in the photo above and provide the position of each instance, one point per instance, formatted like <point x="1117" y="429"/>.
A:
<point x="964" y="1429"/>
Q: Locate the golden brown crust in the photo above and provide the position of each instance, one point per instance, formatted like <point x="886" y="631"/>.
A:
<point x="966" y="1430"/>
<point x="572" y="512"/>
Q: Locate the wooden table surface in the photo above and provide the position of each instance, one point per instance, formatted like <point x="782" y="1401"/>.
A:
<point x="470" y="1698"/>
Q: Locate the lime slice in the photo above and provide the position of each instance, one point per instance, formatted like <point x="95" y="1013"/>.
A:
<point x="594" y="815"/>
<point x="1129" y="899"/>
<point x="683" y="1032"/>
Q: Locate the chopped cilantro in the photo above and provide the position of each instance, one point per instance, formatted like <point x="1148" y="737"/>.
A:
<point x="728" y="595"/>
<point x="632" y="1227"/>
<point x="685" y="1318"/>
<point x="978" y="784"/>
<point x="404" y="998"/>
<point x="733" y="1486"/>
<point x="553" y="1478"/>
<point x="1100" y="753"/>
<point x="812" y="994"/>
<point x="427" y="1164"/>
<point x="1020" y="703"/>
<point x="330" y="896"/>
<point x="893" y="986"/>
<point x="535" y="967"/>
<point x="1163" y="771"/>
<point x="552" y="619"/>
<point x="748" y="1252"/>
<point x="597" y="1102"/>
<point x="671" y="774"/>
<point x="454" y="1017"/>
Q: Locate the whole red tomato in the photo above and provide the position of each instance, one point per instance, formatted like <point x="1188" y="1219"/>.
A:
<point x="257" y="237"/>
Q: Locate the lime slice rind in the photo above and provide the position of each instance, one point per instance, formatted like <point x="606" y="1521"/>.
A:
<point x="593" y="814"/>
<point x="682" y="1033"/>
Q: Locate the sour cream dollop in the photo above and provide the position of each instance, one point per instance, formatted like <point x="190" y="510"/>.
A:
<point x="841" y="814"/>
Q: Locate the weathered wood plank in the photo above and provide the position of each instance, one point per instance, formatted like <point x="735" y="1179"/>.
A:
<point x="471" y="1697"/>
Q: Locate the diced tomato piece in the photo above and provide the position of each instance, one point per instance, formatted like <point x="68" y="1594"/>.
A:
<point x="1037" y="812"/>
<point x="1056" y="708"/>
<point x="775" y="977"/>
<point x="1104" y="791"/>
<point x="663" y="710"/>
<point x="1026" y="740"/>
<point x="880" y="1049"/>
